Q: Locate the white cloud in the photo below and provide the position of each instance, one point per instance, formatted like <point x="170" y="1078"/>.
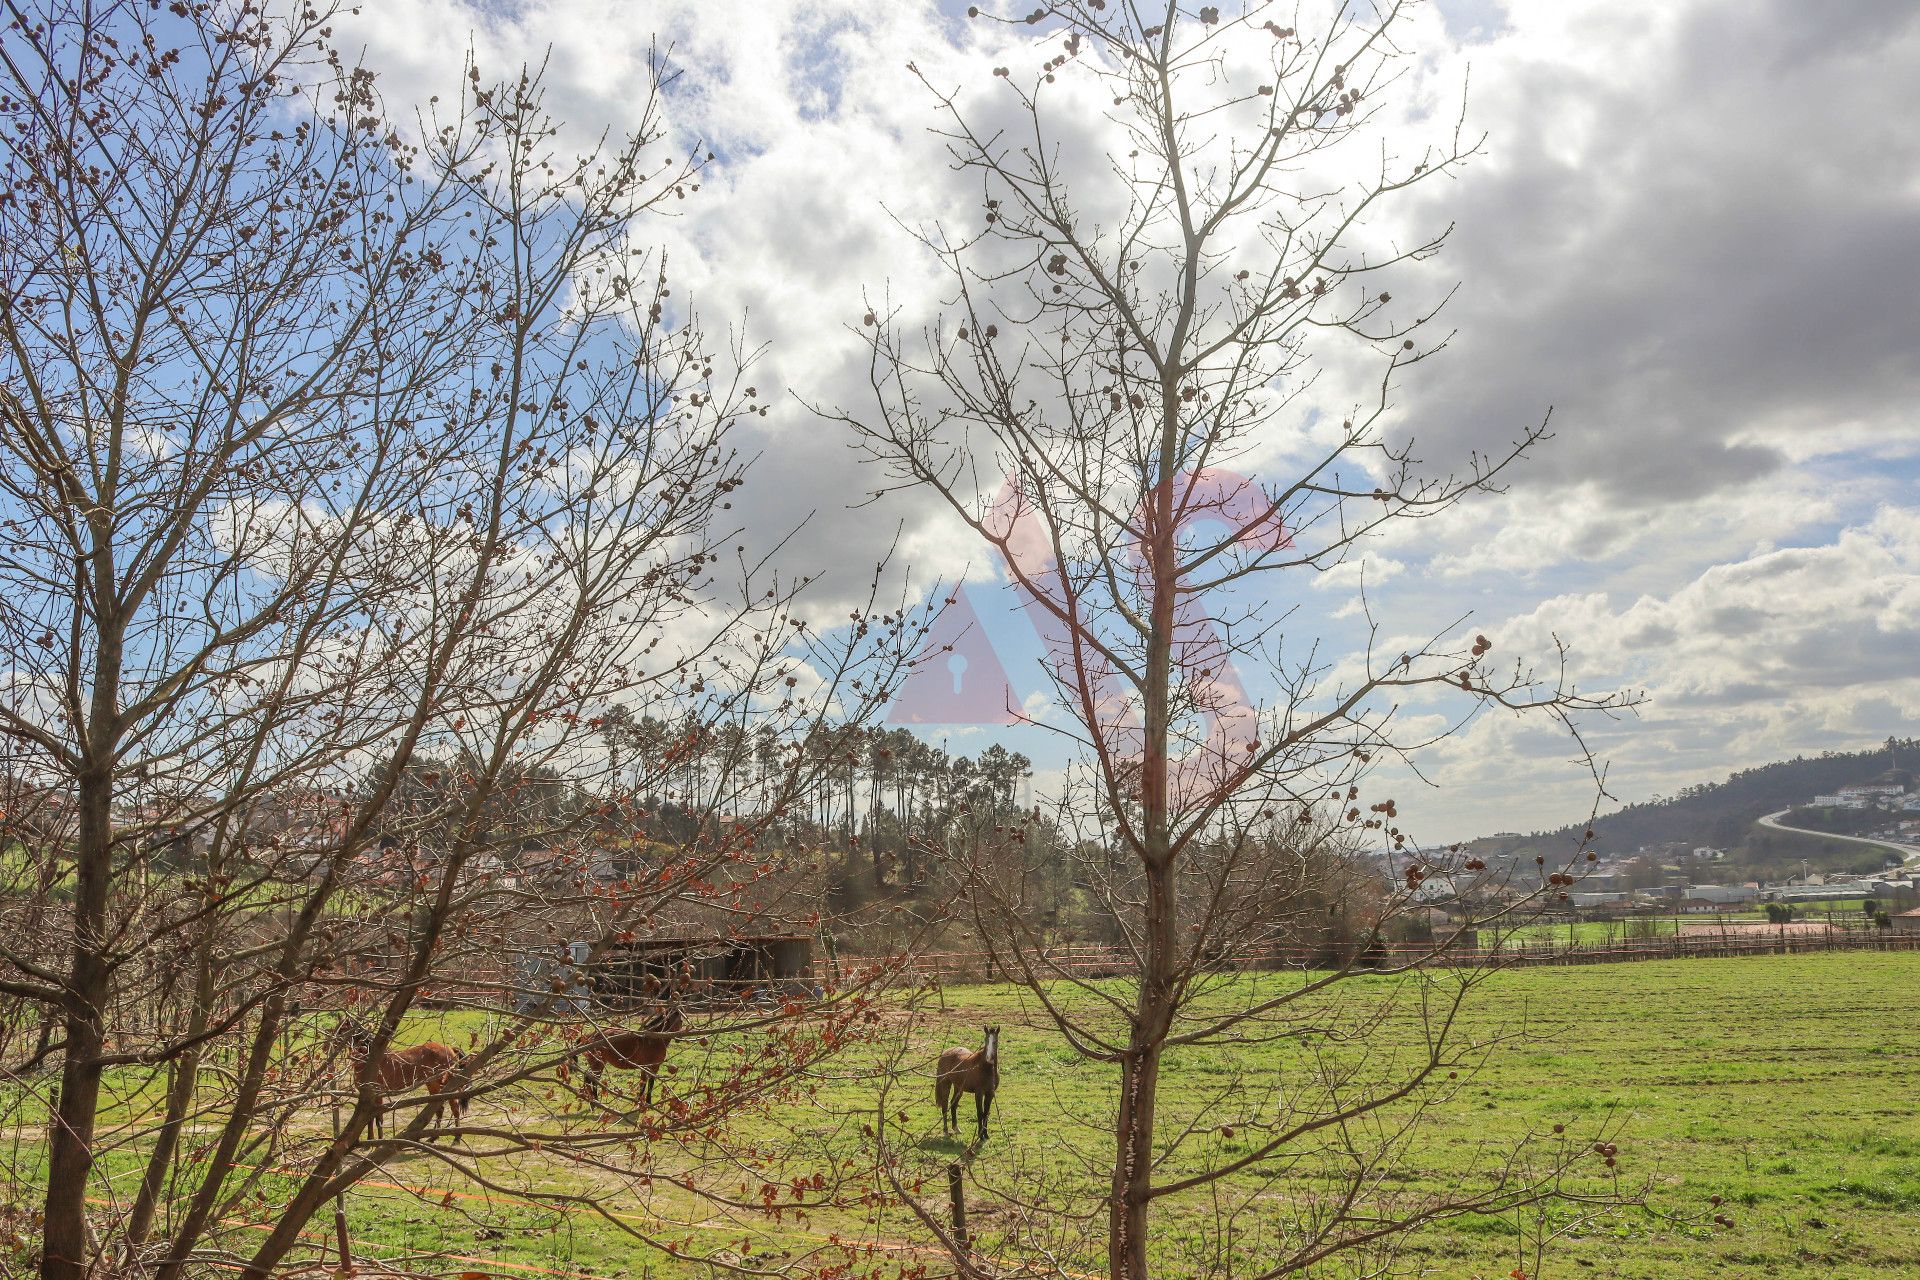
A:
<point x="1791" y="650"/>
<point x="1695" y="235"/>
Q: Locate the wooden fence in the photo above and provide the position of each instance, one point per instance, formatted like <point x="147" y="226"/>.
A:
<point x="957" y="968"/>
<point x="960" y="967"/>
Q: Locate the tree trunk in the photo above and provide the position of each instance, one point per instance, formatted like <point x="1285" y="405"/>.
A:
<point x="323" y="1180"/>
<point x="293" y="1219"/>
<point x="1132" y="1189"/>
<point x="201" y="1209"/>
<point x="71" y="1126"/>
<point x="181" y="1074"/>
<point x="1133" y="1166"/>
<point x="184" y="1073"/>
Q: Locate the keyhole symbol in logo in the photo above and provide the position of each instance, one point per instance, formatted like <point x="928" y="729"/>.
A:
<point x="957" y="665"/>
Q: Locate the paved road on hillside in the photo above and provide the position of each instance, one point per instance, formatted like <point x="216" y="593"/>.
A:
<point x="1912" y="851"/>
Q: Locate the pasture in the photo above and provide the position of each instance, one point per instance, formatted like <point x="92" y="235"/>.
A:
<point x="1785" y="1085"/>
<point x="1607" y="933"/>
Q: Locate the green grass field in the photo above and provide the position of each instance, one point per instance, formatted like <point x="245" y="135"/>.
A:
<point x="1600" y="933"/>
<point x="1786" y="1085"/>
<point x="1590" y="933"/>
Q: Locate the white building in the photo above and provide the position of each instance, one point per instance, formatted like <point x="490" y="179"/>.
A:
<point x="1723" y="893"/>
<point x="1833" y="891"/>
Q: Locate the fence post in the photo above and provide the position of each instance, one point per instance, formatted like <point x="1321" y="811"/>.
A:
<point x="340" y="1209"/>
<point x="340" y="1232"/>
<point x="957" y="1205"/>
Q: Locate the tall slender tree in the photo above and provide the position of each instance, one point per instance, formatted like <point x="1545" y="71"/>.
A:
<point x="1176" y="224"/>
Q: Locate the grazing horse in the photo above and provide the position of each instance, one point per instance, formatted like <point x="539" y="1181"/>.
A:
<point x="432" y="1064"/>
<point x="974" y="1071"/>
<point x="641" y="1050"/>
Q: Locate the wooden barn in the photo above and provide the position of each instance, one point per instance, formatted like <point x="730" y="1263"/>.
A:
<point x="703" y="971"/>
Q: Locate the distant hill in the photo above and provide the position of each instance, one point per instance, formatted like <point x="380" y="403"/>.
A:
<point x="1722" y="814"/>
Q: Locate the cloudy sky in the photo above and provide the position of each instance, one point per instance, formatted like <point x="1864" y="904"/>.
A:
<point x="1694" y="235"/>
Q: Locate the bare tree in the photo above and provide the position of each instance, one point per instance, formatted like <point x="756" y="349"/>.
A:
<point x="354" y="472"/>
<point x="1125" y="330"/>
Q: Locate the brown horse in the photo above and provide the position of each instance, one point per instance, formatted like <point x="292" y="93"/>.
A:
<point x="432" y="1064"/>
<point x="641" y="1050"/>
<point x="974" y="1071"/>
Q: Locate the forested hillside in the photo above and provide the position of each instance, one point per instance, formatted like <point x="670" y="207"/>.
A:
<point x="1722" y="814"/>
